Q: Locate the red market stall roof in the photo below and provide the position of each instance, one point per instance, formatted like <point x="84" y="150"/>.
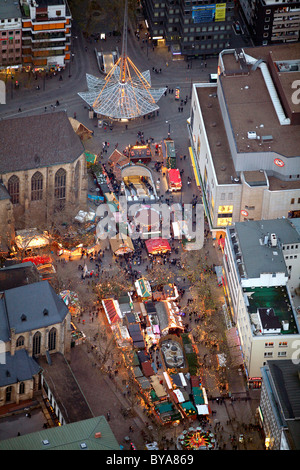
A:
<point x="112" y="310"/>
<point x="147" y="369"/>
<point x="38" y="260"/>
<point x="174" y="176"/>
<point x="157" y="245"/>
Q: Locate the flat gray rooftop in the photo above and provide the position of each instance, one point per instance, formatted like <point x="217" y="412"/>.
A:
<point x="216" y="134"/>
<point x="259" y="258"/>
<point x="9" y="9"/>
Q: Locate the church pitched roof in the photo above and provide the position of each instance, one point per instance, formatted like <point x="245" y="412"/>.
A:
<point x="37" y="141"/>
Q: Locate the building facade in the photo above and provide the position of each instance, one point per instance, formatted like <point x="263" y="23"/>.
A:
<point x="190" y="28"/>
<point x="45" y="172"/>
<point x="272" y="22"/>
<point x="46" y="34"/>
<point x="245" y="139"/>
<point x="279" y="405"/>
<point x="10" y="35"/>
<point x="7" y="225"/>
<point x="256" y="280"/>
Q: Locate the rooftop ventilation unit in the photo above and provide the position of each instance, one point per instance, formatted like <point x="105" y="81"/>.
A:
<point x="273" y="239"/>
<point x="252" y="135"/>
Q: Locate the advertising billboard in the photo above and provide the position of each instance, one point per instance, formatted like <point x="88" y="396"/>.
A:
<point x="209" y="13"/>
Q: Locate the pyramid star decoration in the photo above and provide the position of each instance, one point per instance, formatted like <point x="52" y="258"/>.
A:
<point x="125" y="93"/>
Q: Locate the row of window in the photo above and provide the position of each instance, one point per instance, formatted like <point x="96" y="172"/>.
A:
<point x="9" y="392"/>
<point x="36" y="343"/>
<point x="13" y="186"/>
<point x="10" y="51"/>
<point x="10" y="59"/>
<point x="280" y="354"/>
<point x="10" y="33"/>
<point x="10" y="41"/>
<point x="287" y="247"/>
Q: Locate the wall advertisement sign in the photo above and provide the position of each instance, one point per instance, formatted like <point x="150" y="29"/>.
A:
<point x="209" y="13"/>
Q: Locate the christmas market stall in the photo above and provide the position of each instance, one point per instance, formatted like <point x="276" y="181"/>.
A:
<point x="167" y="412"/>
<point x="121" y="244"/>
<point x="157" y="246"/>
<point x="112" y="310"/>
<point x="169" y="153"/>
<point x="30" y="239"/>
<point x="174" y="180"/>
<point x="140" y="153"/>
<point x="169" y="317"/>
<point x="143" y="288"/>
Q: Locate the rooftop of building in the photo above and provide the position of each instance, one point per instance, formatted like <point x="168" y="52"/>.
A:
<point x="17" y="367"/>
<point x="67" y="392"/>
<point x="252" y="239"/>
<point x="87" y="434"/>
<point x="4" y="194"/>
<point x="281" y="379"/>
<point x="276" y="298"/>
<point x="219" y="146"/>
<point x="286" y="379"/>
<point x="18" y="275"/>
<point x="9" y="9"/>
<point x="30" y="307"/>
<point x="249" y="105"/>
<point x="47" y="139"/>
<point x="216" y="133"/>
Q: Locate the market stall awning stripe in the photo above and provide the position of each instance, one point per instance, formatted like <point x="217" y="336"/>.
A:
<point x="112" y="310"/>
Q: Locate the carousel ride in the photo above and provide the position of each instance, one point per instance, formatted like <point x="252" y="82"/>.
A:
<point x="196" y="439"/>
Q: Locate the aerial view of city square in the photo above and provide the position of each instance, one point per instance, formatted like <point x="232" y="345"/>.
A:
<point x="150" y="227"/>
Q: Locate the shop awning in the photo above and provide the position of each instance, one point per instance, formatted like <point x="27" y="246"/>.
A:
<point x="157" y="245"/>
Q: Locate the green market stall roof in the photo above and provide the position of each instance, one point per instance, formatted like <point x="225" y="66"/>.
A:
<point x="143" y="288"/>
